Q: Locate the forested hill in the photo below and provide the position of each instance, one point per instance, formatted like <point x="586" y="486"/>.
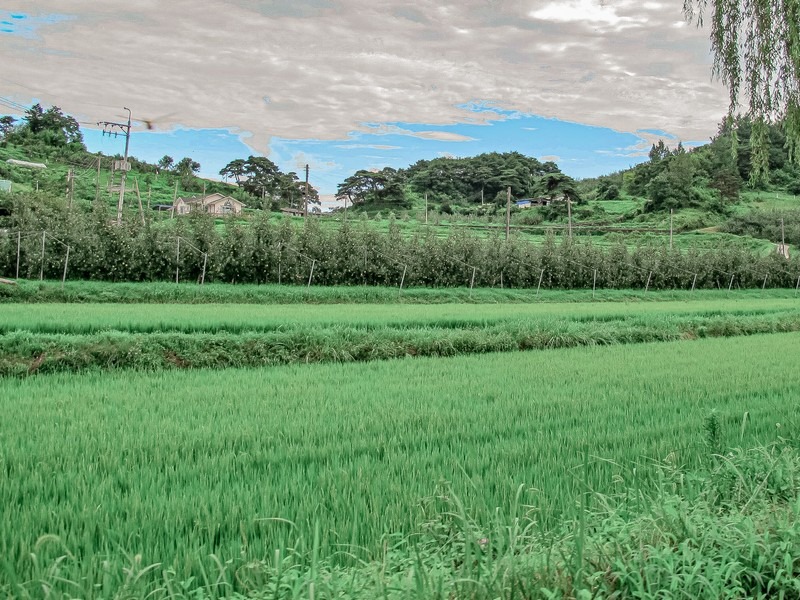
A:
<point x="710" y="177"/>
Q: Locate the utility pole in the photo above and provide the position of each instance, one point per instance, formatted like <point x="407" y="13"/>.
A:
<point x="305" y="208"/>
<point x="111" y="128"/>
<point x="426" y="208"/>
<point x="508" y="213"/>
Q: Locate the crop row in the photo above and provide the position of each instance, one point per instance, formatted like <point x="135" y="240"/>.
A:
<point x="240" y="318"/>
<point x="263" y="252"/>
<point x="170" y="468"/>
<point x="154" y="292"/>
<point x="24" y="353"/>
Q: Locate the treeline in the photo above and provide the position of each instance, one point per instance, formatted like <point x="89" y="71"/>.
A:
<point x="741" y="155"/>
<point x="481" y="180"/>
<point x="261" y="251"/>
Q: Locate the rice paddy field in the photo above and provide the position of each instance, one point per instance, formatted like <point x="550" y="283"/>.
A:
<point x="125" y="477"/>
<point x="148" y="318"/>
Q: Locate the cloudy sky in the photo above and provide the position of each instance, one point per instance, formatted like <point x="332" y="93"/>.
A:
<point x="349" y="84"/>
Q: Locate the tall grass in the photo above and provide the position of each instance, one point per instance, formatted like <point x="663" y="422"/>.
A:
<point x="24" y="353"/>
<point x="335" y="461"/>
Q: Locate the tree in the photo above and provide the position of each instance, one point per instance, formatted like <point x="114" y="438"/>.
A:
<point x="756" y="47"/>
<point x="166" y="162"/>
<point x="257" y="175"/>
<point x="6" y="125"/>
<point x="384" y="186"/>
<point x="186" y="167"/>
<point x="52" y="126"/>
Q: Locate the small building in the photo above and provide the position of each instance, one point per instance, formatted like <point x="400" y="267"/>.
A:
<point x="782" y="250"/>
<point x="531" y="202"/>
<point x="215" y="204"/>
<point x="293" y="212"/>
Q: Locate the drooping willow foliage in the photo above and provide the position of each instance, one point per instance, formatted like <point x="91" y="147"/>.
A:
<point x="756" y="45"/>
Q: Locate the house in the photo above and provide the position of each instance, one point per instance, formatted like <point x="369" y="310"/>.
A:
<point x="216" y="204"/>
<point x="530" y="202"/>
<point x="314" y="211"/>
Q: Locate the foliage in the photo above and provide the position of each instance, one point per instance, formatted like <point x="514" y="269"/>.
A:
<point x="354" y="254"/>
<point x="48" y="131"/>
<point x="711" y="176"/>
<point x="756" y="48"/>
<point x="384" y="187"/>
<point x="482" y="178"/>
<point x="263" y="180"/>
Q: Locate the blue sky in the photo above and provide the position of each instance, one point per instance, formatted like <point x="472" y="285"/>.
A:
<point x="352" y="84"/>
<point x="579" y="150"/>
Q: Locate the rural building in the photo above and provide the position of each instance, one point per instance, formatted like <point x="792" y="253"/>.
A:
<point x="529" y="202"/>
<point x="216" y="204"/>
<point x="293" y="212"/>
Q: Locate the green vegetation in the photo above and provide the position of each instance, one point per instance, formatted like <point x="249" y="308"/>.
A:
<point x="237" y="318"/>
<point x="218" y="293"/>
<point x="49" y="338"/>
<point x="221" y="478"/>
<point x="262" y="251"/>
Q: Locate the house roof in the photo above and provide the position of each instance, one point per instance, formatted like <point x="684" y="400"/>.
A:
<point x="208" y="199"/>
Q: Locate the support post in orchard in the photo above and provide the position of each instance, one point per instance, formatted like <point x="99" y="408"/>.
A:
<point x="569" y="217"/>
<point x="66" y="263"/>
<point x="205" y="262"/>
<point x="508" y="213"/>
<point x="403" y="278"/>
<point x="670" y="227"/>
<point x="19" y="247"/>
<point x="472" y="281"/>
<point x="310" y="275"/>
<point x="764" y="285"/>
<point x="539" y="287"/>
<point x="730" y="285"/>
<point x="594" y="283"/>
<point x="647" y="285"/>
<point x="178" y="260"/>
<point x="41" y="268"/>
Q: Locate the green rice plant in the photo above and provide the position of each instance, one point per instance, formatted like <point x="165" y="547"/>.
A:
<point x="208" y="473"/>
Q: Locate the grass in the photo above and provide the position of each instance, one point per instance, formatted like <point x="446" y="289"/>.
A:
<point x="46" y="338"/>
<point x="221" y="293"/>
<point x="90" y="318"/>
<point x="206" y="474"/>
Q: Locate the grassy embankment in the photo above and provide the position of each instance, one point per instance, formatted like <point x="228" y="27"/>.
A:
<point x="425" y="478"/>
<point x="40" y="338"/>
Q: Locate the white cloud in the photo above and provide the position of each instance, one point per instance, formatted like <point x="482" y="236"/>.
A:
<point x="301" y="69"/>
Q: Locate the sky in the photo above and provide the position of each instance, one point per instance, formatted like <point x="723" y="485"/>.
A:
<point x="343" y="85"/>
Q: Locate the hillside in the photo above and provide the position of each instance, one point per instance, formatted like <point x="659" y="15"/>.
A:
<point x="708" y="196"/>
